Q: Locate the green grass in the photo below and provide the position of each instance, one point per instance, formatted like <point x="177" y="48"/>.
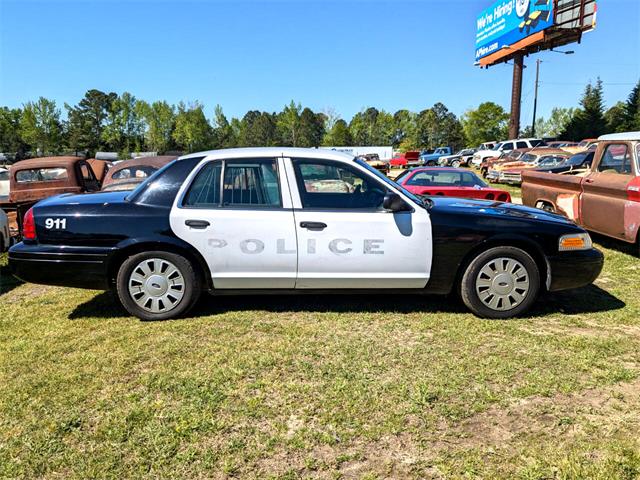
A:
<point x="322" y="387"/>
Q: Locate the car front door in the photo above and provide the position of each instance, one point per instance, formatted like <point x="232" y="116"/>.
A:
<point x="239" y="217"/>
<point x="604" y="194"/>
<point x="345" y="238"/>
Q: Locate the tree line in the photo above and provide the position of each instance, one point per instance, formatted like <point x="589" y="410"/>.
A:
<point x="122" y="123"/>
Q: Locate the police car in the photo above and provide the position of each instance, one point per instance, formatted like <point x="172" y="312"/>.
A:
<point x="248" y="221"/>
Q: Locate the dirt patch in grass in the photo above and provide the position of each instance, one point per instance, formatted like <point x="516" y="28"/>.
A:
<point x="556" y="416"/>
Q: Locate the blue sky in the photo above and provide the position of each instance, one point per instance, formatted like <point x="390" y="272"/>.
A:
<point x="259" y="55"/>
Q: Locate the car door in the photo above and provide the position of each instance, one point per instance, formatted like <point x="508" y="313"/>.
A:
<point x="345" y="238"/>
<point x="604" y="194"/>
<point x="240" y="218"/>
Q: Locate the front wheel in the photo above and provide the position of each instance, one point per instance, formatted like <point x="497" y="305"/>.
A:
<point x="157" y="285"/>
<point x="501" y="282"/>
<point x="455" y="164"/>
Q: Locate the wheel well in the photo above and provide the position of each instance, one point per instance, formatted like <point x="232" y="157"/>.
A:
<point x="200" y="265"/>
<point x="529" y="247"/>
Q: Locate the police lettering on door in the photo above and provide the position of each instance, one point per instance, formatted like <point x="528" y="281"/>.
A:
<point x="337" y="246"/>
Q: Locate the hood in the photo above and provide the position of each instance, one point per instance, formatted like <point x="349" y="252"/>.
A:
<point x="98" y="198"/>
<point x="493" y="209"/>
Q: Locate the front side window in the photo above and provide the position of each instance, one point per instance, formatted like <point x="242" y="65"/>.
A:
<point x="246" y="183"/>
<point x="41" y="175"/>
<point x="507" y="146"/>
<point x="327" y="184"/>
<point x="522" y="144"/>
<point x="616" y="159"/>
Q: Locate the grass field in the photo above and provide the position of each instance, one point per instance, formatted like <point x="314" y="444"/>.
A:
<point x="322" y="387"/>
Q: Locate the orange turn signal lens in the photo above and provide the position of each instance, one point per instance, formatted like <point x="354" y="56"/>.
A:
<point x="578" y="241"/>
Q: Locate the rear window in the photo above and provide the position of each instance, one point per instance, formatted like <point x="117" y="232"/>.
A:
<point x="445" y="179"/>
<point x="51" y="174"/>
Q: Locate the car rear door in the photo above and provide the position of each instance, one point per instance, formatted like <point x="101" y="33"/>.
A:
<point x="345" y="238"/>
<point x="237" y="212"/>
<point x="604" y="191"/>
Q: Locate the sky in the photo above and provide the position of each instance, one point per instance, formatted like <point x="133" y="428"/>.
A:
<point x="344" y="55"/>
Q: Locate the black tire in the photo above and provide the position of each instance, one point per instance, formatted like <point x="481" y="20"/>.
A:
<point x="469" y="285"/>
<point x="190" y="291"/>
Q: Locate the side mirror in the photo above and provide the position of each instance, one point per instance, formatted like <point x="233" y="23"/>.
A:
<point x="394" y="203"/>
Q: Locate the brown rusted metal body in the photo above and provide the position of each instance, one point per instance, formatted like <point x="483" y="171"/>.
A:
<point x="71" y="181"/>
<point x="128" y="174"/>
<point x="602" y="199"/>
<point x="100" y="168"/>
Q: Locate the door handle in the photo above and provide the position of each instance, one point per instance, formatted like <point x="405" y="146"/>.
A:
<point x="588" y="180"/>
<point x="313" y="225"/>
<point x="198" y="224"/>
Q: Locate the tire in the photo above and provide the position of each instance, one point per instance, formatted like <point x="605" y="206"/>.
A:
<point x="148" y="288"/>
<point x="431" y="163"/>
<point x="455" y="164"/>
<point x="487" y="297"/>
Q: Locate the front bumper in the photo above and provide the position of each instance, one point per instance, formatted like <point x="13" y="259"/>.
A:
<point x="574" y="269"/>
<point x="510" y="178"/>
<point x="79" y="267"/>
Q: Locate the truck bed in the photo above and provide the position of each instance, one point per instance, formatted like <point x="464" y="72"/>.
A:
<point x="561" y="192"/>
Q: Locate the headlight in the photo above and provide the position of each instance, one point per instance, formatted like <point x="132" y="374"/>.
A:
<point x="574" y="241"/>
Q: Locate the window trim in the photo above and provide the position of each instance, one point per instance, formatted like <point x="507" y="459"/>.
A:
<point x="220" y="205"/>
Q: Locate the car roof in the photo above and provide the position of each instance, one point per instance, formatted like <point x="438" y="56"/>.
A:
<point x="272" y="152"/>
<point x="61" y="161"/>
<point x="624" y="136"/>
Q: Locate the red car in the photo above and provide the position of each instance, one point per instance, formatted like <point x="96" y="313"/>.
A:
<point x="450" y="182"/>
<point x="405" y="159"/>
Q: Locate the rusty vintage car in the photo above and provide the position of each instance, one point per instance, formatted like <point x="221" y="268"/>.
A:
<point x="511" y="172"/>
<point x="126" y="175"/>
<point x="604" y="198"/>
<point x="37" y="178"/>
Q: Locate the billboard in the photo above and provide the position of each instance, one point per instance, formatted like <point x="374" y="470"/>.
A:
<point x="509" y="21"/>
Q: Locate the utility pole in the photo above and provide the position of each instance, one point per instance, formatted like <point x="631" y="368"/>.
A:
<point x="516" y="96"/>
<point x="535" y="99"/>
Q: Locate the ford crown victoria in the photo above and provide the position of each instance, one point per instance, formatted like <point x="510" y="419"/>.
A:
<point x="267" y="220"/>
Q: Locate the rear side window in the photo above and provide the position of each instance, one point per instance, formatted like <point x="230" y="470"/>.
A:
<point x="507" y="146"/>
<point x="247" y="183"/>
<point x="523" y="144"/>
<point x="537" y="143"/>
<point x="41" y="175"/>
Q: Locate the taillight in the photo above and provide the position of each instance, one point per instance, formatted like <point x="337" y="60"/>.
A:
<point x="29" y="226"/>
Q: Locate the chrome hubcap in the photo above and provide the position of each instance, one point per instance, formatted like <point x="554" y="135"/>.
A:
<point x="156" y="285"/>
<point x="502" y="284"/>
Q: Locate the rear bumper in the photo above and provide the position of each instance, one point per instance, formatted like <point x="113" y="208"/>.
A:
<point x="574" y="269"/>
<point x="79" y="267"/>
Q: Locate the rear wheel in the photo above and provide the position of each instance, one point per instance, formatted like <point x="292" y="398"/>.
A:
<point x="157" y="285"/>
<point x="502" y="282"/>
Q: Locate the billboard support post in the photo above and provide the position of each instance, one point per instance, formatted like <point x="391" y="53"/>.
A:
<point x="516" y="96"/>
<point x="535" y="99"/>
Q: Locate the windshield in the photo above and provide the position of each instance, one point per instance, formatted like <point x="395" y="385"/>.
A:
<point x="390" y="182"/>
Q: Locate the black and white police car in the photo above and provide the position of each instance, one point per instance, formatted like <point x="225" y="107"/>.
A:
<point x="296" y="220"/>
